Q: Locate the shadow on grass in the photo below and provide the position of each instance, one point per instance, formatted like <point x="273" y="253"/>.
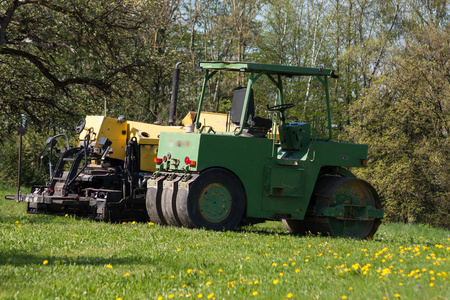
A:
<point x="24" y="258"/>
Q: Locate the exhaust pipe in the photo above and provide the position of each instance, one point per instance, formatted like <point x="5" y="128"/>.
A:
<point x="174" y="98"/>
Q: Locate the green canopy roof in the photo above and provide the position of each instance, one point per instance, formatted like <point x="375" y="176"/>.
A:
<point x="267" y="68"/>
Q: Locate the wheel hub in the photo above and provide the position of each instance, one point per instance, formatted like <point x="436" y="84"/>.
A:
<point x="215" y="202"/>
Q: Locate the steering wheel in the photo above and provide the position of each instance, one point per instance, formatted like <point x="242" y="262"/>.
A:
<point x="80" y="125"/>
<point x="280" y="107"/>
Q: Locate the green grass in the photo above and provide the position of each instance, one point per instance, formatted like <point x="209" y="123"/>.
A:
<point x="57" y="257"/>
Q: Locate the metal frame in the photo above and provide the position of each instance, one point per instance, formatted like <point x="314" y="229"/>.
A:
<point x="257" y="71"/>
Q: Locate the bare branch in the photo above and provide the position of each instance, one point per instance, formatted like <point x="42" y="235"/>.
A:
<point x="37" y="62"/>
<point x="46" y="45"/>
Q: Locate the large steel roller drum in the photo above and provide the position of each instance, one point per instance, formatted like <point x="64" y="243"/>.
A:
<point x="334" y="191"/>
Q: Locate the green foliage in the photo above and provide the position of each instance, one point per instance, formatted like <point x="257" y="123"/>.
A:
<point x="62" y="60"/>
<point x="34" y="170"/>
<point x="43" y="257"/>
<point x="404" y="117"/>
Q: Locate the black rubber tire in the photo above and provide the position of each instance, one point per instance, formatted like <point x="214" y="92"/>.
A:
<point x="168" y="205"/>
<point x="153" y="203"/>
<point x="191" y="210"/>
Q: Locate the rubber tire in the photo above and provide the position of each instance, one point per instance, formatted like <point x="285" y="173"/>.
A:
<point x="153" y="203"/>
<point x="168" y="203"/>
<point x="188" y="205"/>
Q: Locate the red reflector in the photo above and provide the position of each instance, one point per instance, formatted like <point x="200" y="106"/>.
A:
<point x="363" y="162"/>
<point x="165" y="158"/>
<point x="158" y="160"/>
<point x="189" y="162"/>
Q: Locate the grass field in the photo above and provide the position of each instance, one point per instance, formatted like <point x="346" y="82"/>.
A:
<point x="57" y="257"/>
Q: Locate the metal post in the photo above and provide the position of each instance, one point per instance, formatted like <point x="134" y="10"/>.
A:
<point x="21" y="132"/>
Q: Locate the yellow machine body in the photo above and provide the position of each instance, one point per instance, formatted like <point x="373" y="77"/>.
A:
<point x="147" y="135"/>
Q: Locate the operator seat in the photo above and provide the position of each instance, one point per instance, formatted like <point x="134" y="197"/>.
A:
<point x="253" y="126"/>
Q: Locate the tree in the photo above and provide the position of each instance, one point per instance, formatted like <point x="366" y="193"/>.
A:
<point x="60" y="60"/>
<point x="405" y="118"/>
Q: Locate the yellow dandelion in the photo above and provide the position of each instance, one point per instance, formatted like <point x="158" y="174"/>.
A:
<point x="160" y="297"/>
<point x="255" y="293"/>
<point x="171" y="296"/>
<point x="210" y="295"/>
<point x="220" y="270"/>
<point x="200" y="296"/>
<point x="189" y="271"/>
<point x="281" y="274"/>
<point x="397" y="295"/>
<point x="344" y="297"/>
<point x="355" y="266"/>
<point x="178" y="250"/>
<point x="297" y="270"/>
<point x="45" y="262"/>
<point x="247" y="258"/>
<point x="208" y="283"/>
<point x="431" y="284"/>
<point x="255" y="282"/>
<point x="290" y="295"/>
<point x="350" y="288"/>
<point x="275" y="281"/>
<point x="172" y="276"/>
<point x="274" y="264"/>
<point x="126" y="274"/>
<point x="151" y="223"/>
<point x="184" y="286"/>
<point x="109" y="266"/>
<point x="118" y="298"/>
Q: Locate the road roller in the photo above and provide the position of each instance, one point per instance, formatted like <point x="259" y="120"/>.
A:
<point x="262" y="168"/>
<point x="219" y="171"/>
